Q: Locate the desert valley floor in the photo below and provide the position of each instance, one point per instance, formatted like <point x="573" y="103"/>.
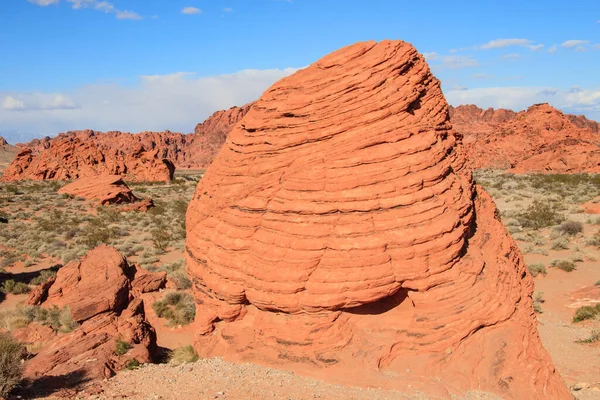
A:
<point x="552" y="218"/>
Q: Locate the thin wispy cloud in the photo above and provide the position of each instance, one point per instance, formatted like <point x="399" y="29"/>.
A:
<point x="574" y="43"/>
<point x="191" y="10"/>
<point x="481" y="75"/>
<point x="499" y="43"/>
<point x="552" y="49"/>
<point x="511" y="56"/>
<point x="459" y="62"/>
<point x="228" y="9"/>
<point x="535" y="47"/>
<point x="101" y="6"/>
<point x="44" y="3"/>
<point x="432" y="56"/>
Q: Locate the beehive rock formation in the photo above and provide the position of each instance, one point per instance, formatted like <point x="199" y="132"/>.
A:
<point x="73" y="157"/>
<point x="338" y="233"/>
<point x="100" y="290"/>
<point x="539" y="139"/>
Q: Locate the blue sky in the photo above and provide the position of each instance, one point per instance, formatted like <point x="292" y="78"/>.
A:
<point x="136" y="65"/>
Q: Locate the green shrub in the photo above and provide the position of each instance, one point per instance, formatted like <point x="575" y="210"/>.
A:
<point x="42" y="277"/>
<point x="570" y="228"/>
<point x="185" y="354"/>
<point x="11" y="368"/>
<point x="540" y="215"/>
<point x="586" y="312"/>
<point x="10" y="286"/>
<point x="594" y="337"/>
<point x="132" y="364"/>
<point x="560" y="243"/>
<point x="177" y="307"/>
<point x="565" y="265"/>
<point x="121" y="347"/>
<point x="536" y="269"/>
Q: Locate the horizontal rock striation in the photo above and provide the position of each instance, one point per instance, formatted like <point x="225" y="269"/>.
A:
<point x="338" y="230"/>
<point x="105" y="189"/>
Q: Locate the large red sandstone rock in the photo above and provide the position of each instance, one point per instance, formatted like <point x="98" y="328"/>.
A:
<point x="99" y="289"/>
<point x="74" y="157"/>
<point x="540" y="139"/>
<point x="105" y="189"/>
<point x="192" y="151"/>
<point x="337" y="233"/>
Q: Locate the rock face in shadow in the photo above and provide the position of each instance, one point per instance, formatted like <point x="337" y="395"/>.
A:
<point x="540" y="139"/>
<point x="100" y="291"/>
<point x="337" y="233"/>
<point x="73" y="157"/>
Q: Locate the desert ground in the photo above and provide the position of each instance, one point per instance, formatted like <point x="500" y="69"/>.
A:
<point x="545" y="214"/>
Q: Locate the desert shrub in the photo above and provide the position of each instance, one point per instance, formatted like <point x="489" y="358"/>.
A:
<point x="132" y="364"/>
<point x="160" y="238"/>
<point x="42" y="277"/>
<point x="560" y="243"/>
<point x="10" y="286"/>
<point x="597" y="283"/>
<point x="570" y="227"/>
<point x="536" y="269"/>
<point x="538" y="299"/>
<point x="540" y="215"/>
<point x="121" y="347"/>
<point x="177" y="307"/>
<point x="593" y="240"/>
<point x="11" y="368"/>
<point x="565" y="265"/>
<point x="180" y="279"/>
<point x="593" y="338"/>
<point x="185" y="354"/>
<point x="586" y="312"/>
<point x="59" y="320"/>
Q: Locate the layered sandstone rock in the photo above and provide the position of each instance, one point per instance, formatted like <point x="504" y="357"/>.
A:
<point x="72" y="158"/>
<point x="540" y="139"/>
<point x="191" y="151"/>
<point x="99" y="290"/>
<point x="337" y="233"/>
<point x="105" y="189"/>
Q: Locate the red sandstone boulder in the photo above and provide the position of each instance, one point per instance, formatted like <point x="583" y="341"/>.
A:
<point x="106" y="189"/>
<point x="540" y="139"/>
<point x="146" y="281"/>
<point x="73" y="157"/>
<point x="337" y="233"/>
<point x="99" y="290"/>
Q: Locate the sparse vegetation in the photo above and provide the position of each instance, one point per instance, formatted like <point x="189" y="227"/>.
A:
<point x="60" y="320"/>
<point x="540" y="215"/>
<point x="536" y="269"/>
<point x="586" y="312"/>
<point x="570" y="228"/>
<point x="593" y="338"/>
<point x="177" y="307"/>
<point x="132" y="364"/>
<point x="11" y="368"/>
<point x="565" y="265"/>
<point x="10" y="286"/>
<point x="538" y="299"/>
<point x="121" y="347"/>
<point x="185" y="354"/>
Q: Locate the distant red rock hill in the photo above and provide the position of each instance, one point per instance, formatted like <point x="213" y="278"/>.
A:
<point x="145" y="156"/>
<point x="539" y="139"/>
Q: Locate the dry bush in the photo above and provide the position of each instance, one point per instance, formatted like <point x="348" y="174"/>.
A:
<point x="11" y="368"/>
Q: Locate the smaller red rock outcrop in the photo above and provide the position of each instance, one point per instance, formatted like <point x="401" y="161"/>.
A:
<point x="106" y="189"/>
<point x="72" y="158"/>
<point x="539" y="139"/>
<point x="100" y="291"/>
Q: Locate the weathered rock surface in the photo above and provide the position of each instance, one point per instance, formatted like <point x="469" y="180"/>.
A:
<point x="73" y="157"/>
<point x="105" y="189"/>
<point x="540" y="139"/>
<point x="337" y="233"/>
<point x="117" y="152"/>
<point x="7" y="153"/>
<point x="99" y="289"/>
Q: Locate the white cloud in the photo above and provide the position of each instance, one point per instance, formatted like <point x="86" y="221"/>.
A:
<point x="44" y="3"/>
<point x="459" y="61"/>
<point x="552" y="49"/>
<point x="458" y="87"/>
<point x="482" y="76"/>
<point x="431" y="56"/>
<point x="498" y="43"/>
<point x="128" y="15"/>
<point x="580" y="49"/>
<point x="176" y="102"/>
<point x="191" y="10"/>
<point x="511" y="55"/>
<point x="10" y="103"/>
<point x="105" y="7"/>
<point x="574" y="43"/>
<point x="228" y="9"/>
<point x="578" y="101"/>
<point x="453" y="51"/>
<point x="535" y="47"/>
